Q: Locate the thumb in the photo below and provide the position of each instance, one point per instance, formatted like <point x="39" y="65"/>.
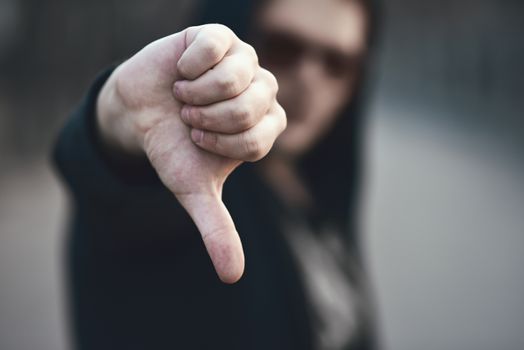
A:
<point x="218" y="233"/>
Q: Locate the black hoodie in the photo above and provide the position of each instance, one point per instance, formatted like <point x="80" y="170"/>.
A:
<point x="135" y="284"/>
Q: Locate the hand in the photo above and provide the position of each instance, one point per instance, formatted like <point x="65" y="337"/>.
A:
<point x="197" y="104"/>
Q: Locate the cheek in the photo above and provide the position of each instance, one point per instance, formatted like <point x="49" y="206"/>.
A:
<point x="328" y="102"/>
<point x="322" y="112"/>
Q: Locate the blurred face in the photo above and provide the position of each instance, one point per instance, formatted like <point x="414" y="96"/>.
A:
<point x="314" y="48"/>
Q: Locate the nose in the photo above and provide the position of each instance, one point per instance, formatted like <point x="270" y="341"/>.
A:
<point x="309" y="71"/>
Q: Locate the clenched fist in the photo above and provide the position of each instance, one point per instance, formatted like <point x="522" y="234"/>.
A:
<point x="197" y="104"/>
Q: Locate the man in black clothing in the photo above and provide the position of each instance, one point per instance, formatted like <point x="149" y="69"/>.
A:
<point x="178" y="118"/>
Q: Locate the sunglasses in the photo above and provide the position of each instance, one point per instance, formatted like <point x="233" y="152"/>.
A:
<point x="285" y="50"/>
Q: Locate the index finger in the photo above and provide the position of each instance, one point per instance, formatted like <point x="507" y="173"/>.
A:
<point x="205" y="47"/>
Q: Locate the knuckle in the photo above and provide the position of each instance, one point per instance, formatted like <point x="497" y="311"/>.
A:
<point x="270" y="80"/>
<point x="251" y="52"/>
<point x="218" y="27"/>
<point x="283" y="124"/>
<point x="223" y="33"/>
<point x="273" y="83"/>
<point x="242" y="117"/>
<point x="252" y="148"/>
<point x="228" y="85"/>
<point x="281" y="113"/>
<point x="211" y="49"/>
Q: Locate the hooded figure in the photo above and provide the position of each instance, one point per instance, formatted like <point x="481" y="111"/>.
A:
<point x="134" y="285"/>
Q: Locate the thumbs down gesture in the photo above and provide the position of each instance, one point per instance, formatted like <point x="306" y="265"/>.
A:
<point x="197" y="104"/>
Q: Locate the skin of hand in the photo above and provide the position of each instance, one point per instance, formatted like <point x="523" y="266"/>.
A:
<point x="197" y="104"/>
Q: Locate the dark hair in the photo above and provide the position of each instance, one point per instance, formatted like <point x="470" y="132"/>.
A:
<point x="332" y="168"/>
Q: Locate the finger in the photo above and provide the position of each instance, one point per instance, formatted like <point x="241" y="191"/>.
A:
<point x="234" y="115"/>
<point x="205" y="47"/>
<point x="250" y="145"/>
<point x="218" y="233"/>
<point x="227" y="79"/>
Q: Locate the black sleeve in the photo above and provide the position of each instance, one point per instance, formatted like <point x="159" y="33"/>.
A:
<point x="87" y="168"/>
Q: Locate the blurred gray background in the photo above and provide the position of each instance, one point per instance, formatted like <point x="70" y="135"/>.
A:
<point x="443" y="213"/>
